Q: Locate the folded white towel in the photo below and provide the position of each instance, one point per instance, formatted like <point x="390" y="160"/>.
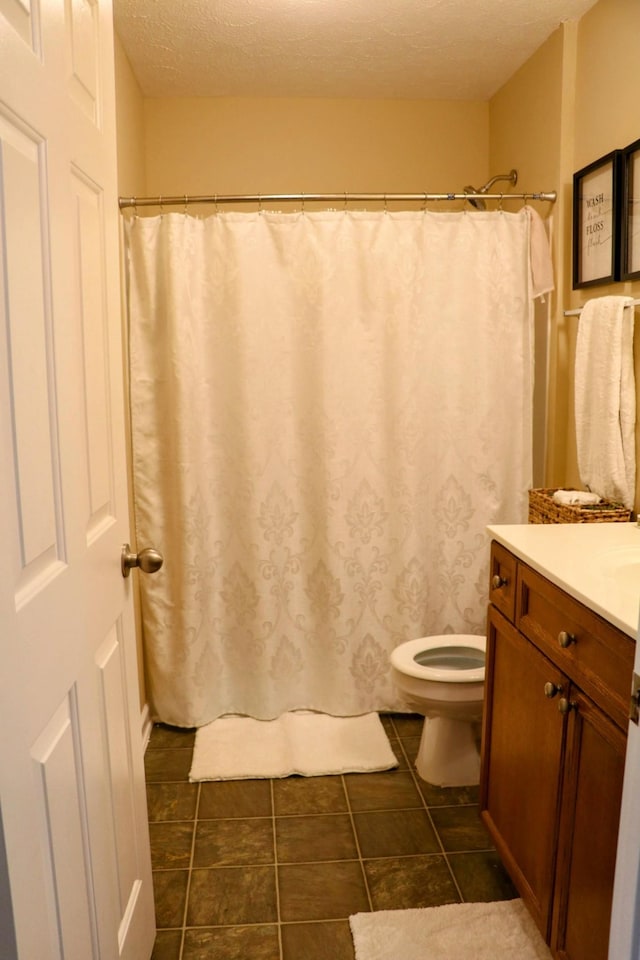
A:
<point x="575" y="497"/>
<point x="605" y="399"/>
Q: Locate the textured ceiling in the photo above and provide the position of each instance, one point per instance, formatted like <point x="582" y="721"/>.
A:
<point x="431" y="49"/>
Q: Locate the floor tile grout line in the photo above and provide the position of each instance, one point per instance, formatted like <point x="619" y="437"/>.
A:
<point x="357" y="843"/>
<point x="276" y="867"/>
<point x="190" y="874"/>
<point x="443" y="851"/>
<point x="414" y="774"/>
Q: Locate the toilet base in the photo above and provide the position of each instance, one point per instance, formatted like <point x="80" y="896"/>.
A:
<point x="448" y="754"/>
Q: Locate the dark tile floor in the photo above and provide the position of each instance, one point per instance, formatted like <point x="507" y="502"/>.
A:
<point x="272" y="869"/>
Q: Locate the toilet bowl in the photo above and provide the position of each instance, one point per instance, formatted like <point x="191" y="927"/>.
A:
<point x="442" y="678"/>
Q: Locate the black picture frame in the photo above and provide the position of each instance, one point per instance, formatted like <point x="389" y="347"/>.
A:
<point x="630" y="213"/>
<point x="596" y="221"/>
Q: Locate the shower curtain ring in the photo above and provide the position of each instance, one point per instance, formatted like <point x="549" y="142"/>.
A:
<point x="424" y="204"/>
<point x="185" y="204"/>
<point x="215" y="203"/>
<point x="160" y="203"/>
<point x="500" y="202"/>
<point x="302" y="203"/>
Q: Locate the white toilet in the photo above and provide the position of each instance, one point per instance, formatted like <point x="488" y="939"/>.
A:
<point x="443" y="679"/>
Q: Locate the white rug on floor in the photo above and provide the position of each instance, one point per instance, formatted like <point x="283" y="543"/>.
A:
<point x="457" y="931"/>
<point x="299" y="742"/>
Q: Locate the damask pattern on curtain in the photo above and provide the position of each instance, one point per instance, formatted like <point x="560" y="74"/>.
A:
<point x="327" y="411"/>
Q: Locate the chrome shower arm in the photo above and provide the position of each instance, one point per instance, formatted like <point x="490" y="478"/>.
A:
<point x="511" y="177"/>
<point x="479" y="204"/>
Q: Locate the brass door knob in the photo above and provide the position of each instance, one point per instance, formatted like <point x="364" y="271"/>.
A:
<point x="551" y="690"/>
<point x="497" y="581"/>
<point x="149" y="560"/>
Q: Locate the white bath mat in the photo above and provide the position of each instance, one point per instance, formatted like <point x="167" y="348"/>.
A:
<point x="300" y="742"/>
<point x="457" y="931"/>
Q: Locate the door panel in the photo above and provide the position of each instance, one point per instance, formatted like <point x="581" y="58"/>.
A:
<point x="91" y="310"/>
<point x="76" y="848"/>
<point x="82" y="26"/>
<point x="22" y="16"/>
<point x="64" y="829"/>
<point x="32" y="404"/>
<point x="112" y="666"/>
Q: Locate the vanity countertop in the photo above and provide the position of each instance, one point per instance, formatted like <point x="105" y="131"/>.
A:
<point x="597" y="563"/>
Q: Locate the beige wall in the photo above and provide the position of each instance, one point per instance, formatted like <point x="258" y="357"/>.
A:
<point x="607" y="117"/>
<point x="607" y="80"/>
<point x="525" y="132"/>
<point x="130" y="127"/>
<point x="205" y="146"/>
<point x="531" y="121"/>
<point x="525" y="120"/>
<point x="575" y="100"/>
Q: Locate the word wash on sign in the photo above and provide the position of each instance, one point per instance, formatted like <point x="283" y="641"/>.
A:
<point x="595" y="224"/>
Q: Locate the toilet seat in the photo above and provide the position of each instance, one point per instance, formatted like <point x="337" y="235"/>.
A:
<point x="403" y="658"/>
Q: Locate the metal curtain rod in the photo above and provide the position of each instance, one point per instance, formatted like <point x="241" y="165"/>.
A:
<point x="302" y="198"/>
<point x="576" y="313"/>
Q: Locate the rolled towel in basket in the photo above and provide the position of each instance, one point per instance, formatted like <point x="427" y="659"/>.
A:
<point x="570" y="498"/>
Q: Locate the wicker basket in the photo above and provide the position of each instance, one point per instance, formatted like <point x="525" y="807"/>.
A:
<point x="544" y="509"/>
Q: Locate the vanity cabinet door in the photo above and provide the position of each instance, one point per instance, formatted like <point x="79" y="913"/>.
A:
<point x="592" y="793"/>
<point x="522" y="756"/>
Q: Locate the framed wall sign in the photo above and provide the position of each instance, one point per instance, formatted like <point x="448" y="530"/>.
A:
<point x="596" y="211"/>
<point x="630" y="212"/>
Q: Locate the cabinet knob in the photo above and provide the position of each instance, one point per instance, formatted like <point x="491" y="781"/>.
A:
<point x="566" y="706"/>
<point x="497" y="581"/>
<point x="551" y="690"/>
<point x="566" y="639"/>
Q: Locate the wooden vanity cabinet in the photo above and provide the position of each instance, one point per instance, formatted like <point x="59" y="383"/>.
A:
<point x="554" y="737"/>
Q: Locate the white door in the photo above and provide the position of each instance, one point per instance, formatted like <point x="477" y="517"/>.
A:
<point x="625" y="920"/>
<point x="75" y="877"/>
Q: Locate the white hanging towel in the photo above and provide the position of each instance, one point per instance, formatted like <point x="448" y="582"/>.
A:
<point x="605" y="399"/>
<point x="540" y="263"/>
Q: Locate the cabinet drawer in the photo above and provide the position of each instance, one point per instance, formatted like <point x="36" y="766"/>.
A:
<point x="502" y="581"/>
<point x="597" y="656"/>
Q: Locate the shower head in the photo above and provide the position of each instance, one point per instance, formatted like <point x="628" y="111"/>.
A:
<point x="511" y="177"/>
<point x="475" y="201"/>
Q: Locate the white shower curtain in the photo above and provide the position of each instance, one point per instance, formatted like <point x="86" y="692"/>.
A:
<point x="327" y="411"/>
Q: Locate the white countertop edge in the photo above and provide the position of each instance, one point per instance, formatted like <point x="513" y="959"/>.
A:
<point x="574" y="557"/>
